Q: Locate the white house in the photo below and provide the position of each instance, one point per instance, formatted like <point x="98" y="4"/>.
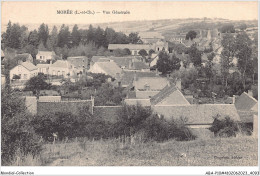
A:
<point x="45" y="55"/>
<point x="43" y="68"/>
<point x="61" y="68"/>
<point x="107" y="68"/>
<point x="25" y="71"/>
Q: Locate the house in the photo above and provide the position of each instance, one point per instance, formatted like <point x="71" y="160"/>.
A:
<point x="134" y="101"/>
<point x="247" y="107"/>
<point x="135" y="48"/>
<point x="25" y="57"/>
<point x="170" y="95"/>
<point x="107" y="68"/>
<point x="127" y="77"/>
<point x="150" y="83"/>
<point x="43" y="68"/>
<point x="80" y="63"/>
<point x="150" y="37"/>
<point x="61" y="68"/>
<point x="25" y="71"/>
<point x="147" y="87"/>
<point x="198" y="117"/>
<point x="44" y="56"/>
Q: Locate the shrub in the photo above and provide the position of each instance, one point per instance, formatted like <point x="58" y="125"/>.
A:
<point x="17" y="134"/>
<point x="224" y="127"/>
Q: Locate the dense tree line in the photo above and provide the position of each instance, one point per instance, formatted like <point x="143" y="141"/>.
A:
<point x="62" y="40"/>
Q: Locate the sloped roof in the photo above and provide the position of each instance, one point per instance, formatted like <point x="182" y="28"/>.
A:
<point x="22" y="57"/>
<point x="142" y="102"/>
<point x="245" y="102"/>
<point x="130" y="46"/>
<point x="124" y="61"/>
<point x="164" y="93"/>
<point x="29" y="66"/>
<point x="43" y="65"/>
<point x="46" y="53"/>
<point x="139" y="66"/>
<point x="128" y="76"/>
<point x="61" y="64"/>
<point x="78" y="61"/>
<point x="155" y="83"/>
<point x="197" y="114"/>
<point x="96" y="58"/>
<point x="111" y="68"/>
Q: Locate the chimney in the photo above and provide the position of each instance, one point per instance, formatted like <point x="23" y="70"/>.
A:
<point x="50" y="62"/>
<point x="178" y="84"/>
<point x="61" y="56"/>
<point x="250" y="93"/>
<point x="233" y="99"/>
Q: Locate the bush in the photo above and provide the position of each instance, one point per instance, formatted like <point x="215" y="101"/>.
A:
<point x="140" y="120"/>
<point x="224" y="127"/>
<point x="17" y="134"/>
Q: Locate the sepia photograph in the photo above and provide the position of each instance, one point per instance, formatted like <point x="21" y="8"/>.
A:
<point x="128" y="83"/>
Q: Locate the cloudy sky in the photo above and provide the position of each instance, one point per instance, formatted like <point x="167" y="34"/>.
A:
<point x="39" y="12"/>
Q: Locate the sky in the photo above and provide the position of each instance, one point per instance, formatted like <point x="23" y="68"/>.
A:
<point x="46" y="12"/>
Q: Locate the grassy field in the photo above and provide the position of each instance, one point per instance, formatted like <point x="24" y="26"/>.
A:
<point x="239" y="151"/>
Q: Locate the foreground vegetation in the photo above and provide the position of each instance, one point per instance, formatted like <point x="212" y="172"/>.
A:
<point x="239" y="151"/>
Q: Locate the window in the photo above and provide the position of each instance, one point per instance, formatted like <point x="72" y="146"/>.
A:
<point x="40" y="57"/>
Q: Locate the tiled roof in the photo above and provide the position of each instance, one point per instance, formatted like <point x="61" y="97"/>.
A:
<point x="197" y="114"/>
<point x="111" y="68"/>
<point x="78" y="61"/>
<point x="245" y="102"/>
<point x="154" y="83"/>
<point x="128" y="76"/>
<point x="96" y="58"/>
<point x="29" y="66"/>
<point x="142" y="102"/>
<point x="139" y="66"/>
<point x="124" y="61"/>
<point x="61" y="64"/>
<point x="166" y="91"/>
<point x="130" y="46"/>
<point x="46" y="53"/>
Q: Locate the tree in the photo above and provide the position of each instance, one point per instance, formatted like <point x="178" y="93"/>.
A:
<point x="126" y="51"/>
<point x="227" y="55"/>
<point x="36" y="83"/>
<point x="242" y="27"/>
<point x="143" y="53"/>
<point x="166" y="65"/>
<point x="244" y="52"/>
<point x="195" y="55"/>
<point x="63" y="36"/>
<point x="133" y="37"/>
<point x="91" y="34"/>
<point x="191" y="35"/>
<point x="100" y="38"/>
<point x="13" y="35"/>
<point x="228" y="28"/>
<point x="75" y="34"/>
<point x="18" y="138"/>
<point x="151" y="51"/>
<point x="54" y="38"/>
<point x="43" y="33"/>
<point x="33" y="38"/>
